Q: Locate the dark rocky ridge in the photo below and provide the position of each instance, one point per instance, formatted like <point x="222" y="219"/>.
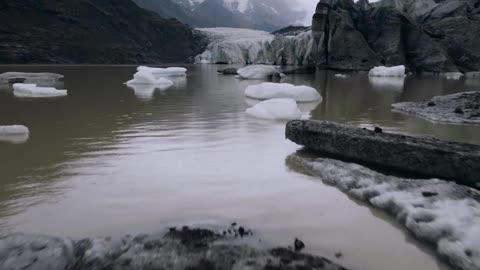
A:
<point x="425" y="157"/>
<point x="90" y="31"/>
<point x="424" y="35"/>
<point x="178" y="249"/>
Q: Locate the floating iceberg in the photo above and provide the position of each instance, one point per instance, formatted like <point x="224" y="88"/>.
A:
<point x="14" y="134"/>
<point x="269" y="90"/>
<point x="396" y="71"/>
<point x="26" y="77"/>
<point x="146" y="77"/>
<point x="246" y="46"/>
<point x="258" y="72"/>
<point x="452" y="75"/>
<point x="34" y="91"/>
<point x="387" y="83"/>
<point x="164" y="72"/>
<point x="443" y="213"/>
<point x="276" y="109"/>
<point x="146" y="91"/>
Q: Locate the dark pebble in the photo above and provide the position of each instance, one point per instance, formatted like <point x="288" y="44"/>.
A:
<point x="224" y="233"/>
<point x="431" y="104"/>
<point x="172" y="229"/>
<point x="338" y="255"/>
<point x="234" y="224"/>
<point x="299" y="245"/>
<point x="458" y="110"/>
<point x="429" y="194"/>
<point x="185" y="228"/>
<point x="241" y="231"/>
<point x="378" y="130"/>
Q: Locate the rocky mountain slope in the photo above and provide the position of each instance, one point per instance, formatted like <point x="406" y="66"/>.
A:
<point x="267" y="15"/>
<point x="90" y="31"/>
<point x="424" y="35"/>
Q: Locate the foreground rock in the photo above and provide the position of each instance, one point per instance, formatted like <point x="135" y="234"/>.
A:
<point x="420" y="156"/>
<point x="456" y="108"/>
<point x="178" y="249"/>
<point x="442" y="213"/>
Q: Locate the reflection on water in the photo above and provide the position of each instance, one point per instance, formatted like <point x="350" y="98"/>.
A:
<point x="107" y="160"/>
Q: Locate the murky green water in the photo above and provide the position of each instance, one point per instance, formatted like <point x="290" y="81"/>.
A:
<point x="109" y="160"/>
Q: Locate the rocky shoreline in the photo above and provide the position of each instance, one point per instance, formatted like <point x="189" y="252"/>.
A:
<point x="462" y="108"/>
<point x="424" y="157"/>
<point x="179" y="248"/>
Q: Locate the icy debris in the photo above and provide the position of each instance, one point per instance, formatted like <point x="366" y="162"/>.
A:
<point x="343" y="76"/>
<point x="276" y="109"/>
<point x="147" y="78"/>
<point x="26" y="77"/>
<point x="396" y="71"/>
<point x="14" y="134"/>
<point x="452" y="75"/>
<point x="34" y="91"/>
<point x="258" y="72"/>
<point x="440" y="212"/>
<point x="164" y="72"/>
<point x="269" y="90"/>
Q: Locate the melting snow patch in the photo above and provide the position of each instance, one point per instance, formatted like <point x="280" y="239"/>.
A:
<point x="34" y="91"/>
<point x="396" y="71"/>
<point x="164" y="72"/>
<point x="269" y="90"/>
<point x="258" y="72"/>
<point x="440" y="212"/>
<point x="276" y="109"/>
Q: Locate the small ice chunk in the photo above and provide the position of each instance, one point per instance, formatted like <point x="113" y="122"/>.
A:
<point x="14" y="134"/>
<point x="341" y="76"/>
<point x="258" y="72"/>
<point x="164" y="72"/>
<point x="276" y="109"/>
<point x="27" y="77"/>
<point x="452" y="75"/>
<point x="145" y="77"/>
<point x="34" y="91"/>
<point x="269" y="90"/>
<point x="396" y="71"/>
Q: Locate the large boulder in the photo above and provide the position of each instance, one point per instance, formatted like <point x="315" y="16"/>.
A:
<point x="425" y="157"/>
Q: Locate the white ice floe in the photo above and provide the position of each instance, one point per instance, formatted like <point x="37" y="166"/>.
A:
<point x="146" y="91"/>
<point x="146" y="77"/>
<point x="163" y="72"/>
<point x="26" y="77"/>
<point x="14" y="134"/>
<point x="452" y="75"/>
<point x="34" y="91"/>
<point x="396" y="71"/>
<point x="258" y="72"/>
<point x="343" y="76"/>
<point x="276" y="109"/>
<point x="269" y="90"/>
<point x="443" y="213"/>
<point x="387" y="83"/>
<point x="247" y="46"/>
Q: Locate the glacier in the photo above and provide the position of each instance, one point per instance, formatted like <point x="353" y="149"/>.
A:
<point x="276" y="109"/>
<point x="269" y="90"/>
<point x="246" y="46"/>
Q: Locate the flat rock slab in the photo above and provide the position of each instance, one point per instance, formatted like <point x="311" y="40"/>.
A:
<point x="462" y="108"/>
<point x="178" y="249"/>
<point x="425" y="157"/>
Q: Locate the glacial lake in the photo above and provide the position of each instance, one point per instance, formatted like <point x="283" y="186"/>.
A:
<point x="109" y="160"/>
